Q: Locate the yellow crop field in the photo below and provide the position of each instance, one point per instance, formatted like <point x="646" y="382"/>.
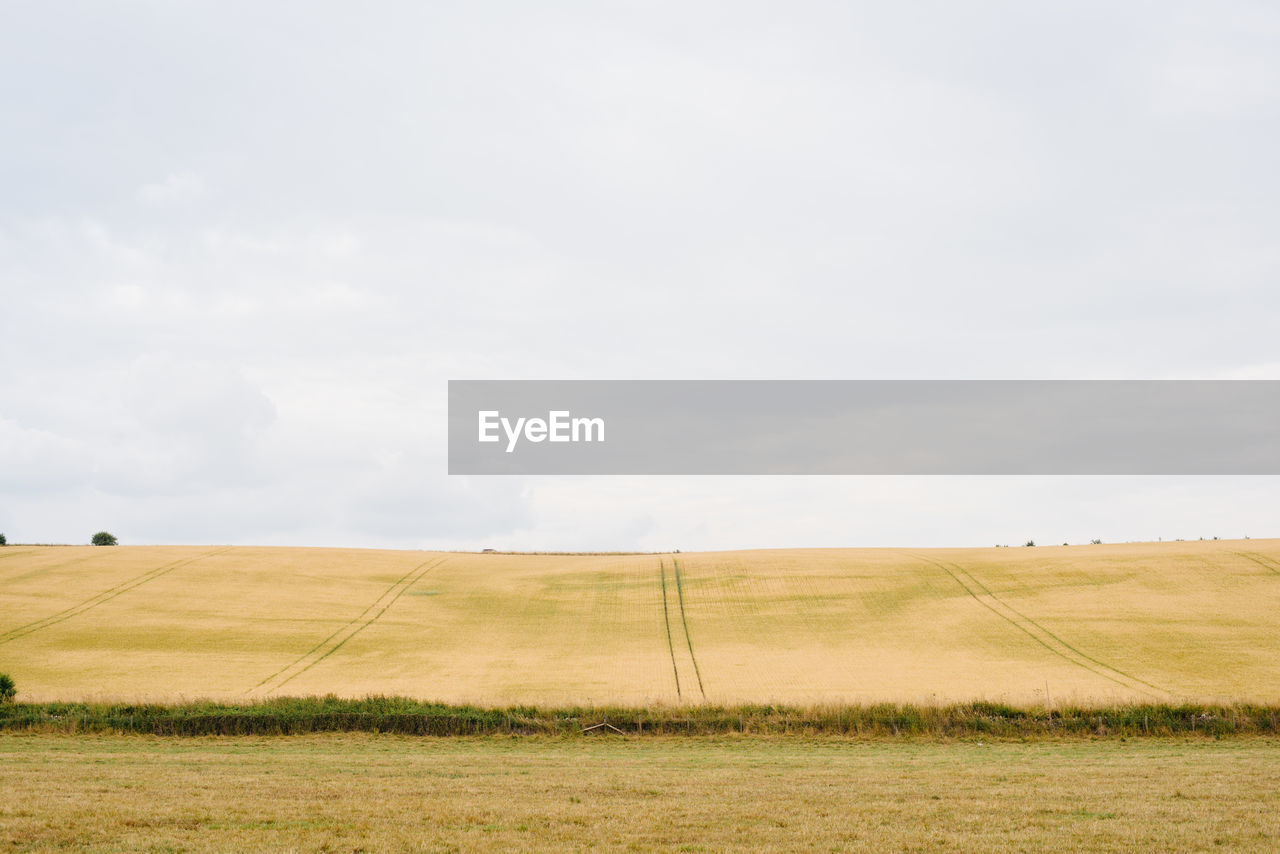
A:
<point x="1091" y="623"/>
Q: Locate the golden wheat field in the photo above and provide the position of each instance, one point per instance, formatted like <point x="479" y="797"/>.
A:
<point x="1090" y="623"/>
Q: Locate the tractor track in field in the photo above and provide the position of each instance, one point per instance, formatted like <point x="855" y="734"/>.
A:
<point x="666" y="618"/>
<point x="314" y="656"/>
<point x="101" y="598"/>
<point x="64" y="564"/>
<point x="1040" y="634"/>
<point x="684" y="620"/>
<point x="683" y="624"/>
<point x="1267" y="563"/>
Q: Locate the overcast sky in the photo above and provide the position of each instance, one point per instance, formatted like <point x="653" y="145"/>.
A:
<point x="243" y="246"/>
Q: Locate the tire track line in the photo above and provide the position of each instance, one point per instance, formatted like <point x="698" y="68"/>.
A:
<point x="101" y="598"/>
<point x="666" y="618"/>
<point x="1054" y="644"/>
<point x="76" y="561"/>
<point x="1041" y="628"/>
<point x="1258" y="559"/>
<point x="309" y="659"/>
<point x="684" y="619"/>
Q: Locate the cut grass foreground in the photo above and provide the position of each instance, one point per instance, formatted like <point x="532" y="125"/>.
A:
<point x="360" y="792"/>
<point x="302" y="715"/>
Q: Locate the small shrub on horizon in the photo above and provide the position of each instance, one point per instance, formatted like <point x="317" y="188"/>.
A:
<point x="102" y="538"/>
<point x="3" y="541"/>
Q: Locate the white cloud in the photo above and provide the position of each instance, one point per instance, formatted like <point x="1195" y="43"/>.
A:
<point x="176" y="188"/>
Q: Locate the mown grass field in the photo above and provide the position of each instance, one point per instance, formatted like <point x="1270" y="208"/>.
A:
<point x="1151" y="622"/>
<point x="389" y="793"/>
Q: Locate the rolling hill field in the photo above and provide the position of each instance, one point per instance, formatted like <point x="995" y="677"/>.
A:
<point x="1091" y="623"/>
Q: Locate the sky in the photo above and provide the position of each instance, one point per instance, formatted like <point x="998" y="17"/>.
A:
<point x="244" y="246"/>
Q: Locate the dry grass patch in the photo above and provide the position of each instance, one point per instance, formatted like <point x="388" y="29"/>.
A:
<point x="355" y="792"/>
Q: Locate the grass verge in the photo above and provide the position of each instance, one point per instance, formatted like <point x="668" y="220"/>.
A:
<point x="301" y="715"/>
